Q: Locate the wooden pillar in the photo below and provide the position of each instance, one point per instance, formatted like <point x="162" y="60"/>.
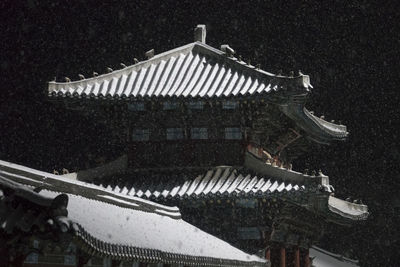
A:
<point x="307" y="258"/>
<point x="268" y="253"/>
<point x="283" y="257"/>
<point x="296" y="257"/>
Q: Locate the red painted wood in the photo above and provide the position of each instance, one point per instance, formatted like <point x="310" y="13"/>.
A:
<point x="297" y="257"/>
<point x="283" y="257"/>
<point x="307" y="258"/>
<point x="268" y="254"/>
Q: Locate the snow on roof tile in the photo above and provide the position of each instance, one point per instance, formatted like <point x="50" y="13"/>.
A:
<point x="109" y="229"/>
<point x="193" y="70"/>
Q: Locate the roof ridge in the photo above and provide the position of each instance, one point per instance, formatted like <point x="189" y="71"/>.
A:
<point x="268" y="82"/>
<point x="62" y="184"/>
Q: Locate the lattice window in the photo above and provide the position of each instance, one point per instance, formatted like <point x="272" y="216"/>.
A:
<point x="174" y="133"/>
<point x="233" y="133"/>
<point x="248" y="233"/>
<point x="71" y="258"/>
<point x="33" y="257"/>
<point x="136" y="106"/>
<point x="169" y="105"/>
<point x="199" y="133"/>
<point x="197" y="105"/>
<point x="140" y="135"/>
<point x="229" y="104"/>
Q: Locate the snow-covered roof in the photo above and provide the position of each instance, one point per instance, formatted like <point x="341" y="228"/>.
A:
<point x="195" y="70"/>
<point x="36" y="178"/>
<point x="323" y="258"/>
<point x="348" y="209"/>
<point x="126" y="229"/>
<point x="223" y="181"/>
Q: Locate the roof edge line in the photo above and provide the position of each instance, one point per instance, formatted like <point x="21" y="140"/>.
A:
<point x="52" y="180"/>
<point x="151" y="255"/>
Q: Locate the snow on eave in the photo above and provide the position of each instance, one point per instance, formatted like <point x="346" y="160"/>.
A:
<point x="347" y="209"/>
<point x="57" y="180"/>
<point x="323" y="258"/>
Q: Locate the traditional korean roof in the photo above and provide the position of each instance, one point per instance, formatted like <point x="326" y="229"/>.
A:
<point x="199" y="71"/>
<point x="196" y="70"/>
<point x="255" y="179"/>
<point x="348" y="209"/>
<point x="323" y="258"/>
<point x="113" y="225"/>
<point x="223" y="181"/>
<point x="317" y="129"/>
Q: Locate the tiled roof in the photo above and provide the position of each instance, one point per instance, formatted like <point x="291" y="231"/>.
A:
<point x="347" y="209"/>
<point x="318" y="129"/>
<point x="217" y="182"/>
<point x="122" y="229"/>
<point x="323" y="258"/>
<point x="193" y="70"/>
<point x="253" y="181"/>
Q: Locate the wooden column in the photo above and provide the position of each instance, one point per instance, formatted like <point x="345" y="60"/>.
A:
<point x="283" y="257"/>
<point x="268" y="254"/>
<point x="296" y="257"/>
<point x="307" y="258"/>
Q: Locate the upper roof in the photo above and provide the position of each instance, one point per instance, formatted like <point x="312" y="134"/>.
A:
<point x="196" y="70"/>
<point x="199" y="71"/>
<point x="122" y="227"/>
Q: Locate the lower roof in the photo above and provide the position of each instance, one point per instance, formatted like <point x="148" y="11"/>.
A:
<point x="323" y="258"/>
<point x="256" y="179"/>
<point x="123" y="227"/>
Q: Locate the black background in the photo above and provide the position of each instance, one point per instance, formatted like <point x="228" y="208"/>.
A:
<point x="350" y="50"/>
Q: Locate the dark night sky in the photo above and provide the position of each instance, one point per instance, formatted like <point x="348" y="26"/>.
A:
<point x="349" y="50"/>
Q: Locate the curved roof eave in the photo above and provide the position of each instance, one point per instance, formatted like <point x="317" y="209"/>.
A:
<point x="105" y="229"/>
<point x="317" y="129"/>
<point x="194" y="70"/>
<point x="352" y="211"/>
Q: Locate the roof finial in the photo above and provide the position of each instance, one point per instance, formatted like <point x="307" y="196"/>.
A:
<point x="68" y="80"/>
<point x="95" y="74"/>
<point x="200" y="33"/>
<point x="135" y="60"/>
<point x="122" y="65"/>
<point x="109" y="69"/>
<point x="227" y="50"/>
<point x="149" y="54"/>
<point x="81" y="76"/>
